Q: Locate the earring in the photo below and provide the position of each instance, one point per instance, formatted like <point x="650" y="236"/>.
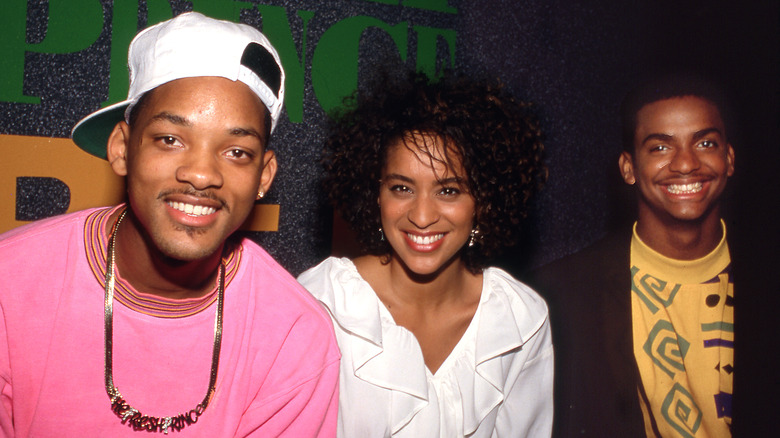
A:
<point x="473" y="236"/>
<point x="381" y="235"/>
<point x="260" y="194"/>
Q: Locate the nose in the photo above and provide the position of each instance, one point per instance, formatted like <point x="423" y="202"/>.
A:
<point x="684" y="161"/>
<point x="423" y="212"/>
<point x="200" y="170"/>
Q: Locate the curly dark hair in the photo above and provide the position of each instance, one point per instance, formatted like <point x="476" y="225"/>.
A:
<point x="496" y="137"/>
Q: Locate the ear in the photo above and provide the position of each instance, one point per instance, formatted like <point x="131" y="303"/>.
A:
<point x="116" y="148"/>
<point x="730" y="160"/>
<point x="268" y="172"/>
<point x="626" y="164"/>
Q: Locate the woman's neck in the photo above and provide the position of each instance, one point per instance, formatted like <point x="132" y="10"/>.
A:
<point x="396" y="284"/>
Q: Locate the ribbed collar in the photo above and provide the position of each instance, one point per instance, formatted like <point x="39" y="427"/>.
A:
<point x="96" y="245"/>
<point x="700" y="270"/>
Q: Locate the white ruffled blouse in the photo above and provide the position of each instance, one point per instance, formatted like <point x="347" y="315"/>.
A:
<point x="496" y="382"/>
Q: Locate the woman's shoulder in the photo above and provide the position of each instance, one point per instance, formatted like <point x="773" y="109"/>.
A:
<point x="503" y="289"/>
<point x="352" y="304"/>
<point x="503" y="282"/>
<point x="332" y="273"/>
<point x="337" y="283"/>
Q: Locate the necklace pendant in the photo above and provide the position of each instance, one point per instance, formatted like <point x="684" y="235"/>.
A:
<point x="166" y="423"/>
<point x="129" y="413"/>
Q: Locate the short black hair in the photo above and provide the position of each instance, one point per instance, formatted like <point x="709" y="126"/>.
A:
<point x="496" y="138"/>
<point x="669" y="86"/>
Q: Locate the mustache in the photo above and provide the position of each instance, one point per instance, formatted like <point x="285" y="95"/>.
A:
<point x="206" y="194"/>
<point x="698" y="176"/>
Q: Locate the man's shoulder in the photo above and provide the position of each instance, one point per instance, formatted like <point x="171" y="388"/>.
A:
<point x="612" y="249"/>
<point x="598" y="268"/>
<point x="37" y="258"/>
<point x="290" y="318"/>
<point x="44" y="231"/>
<point x="276" y="284"/>
<point x="262" y="265"/>
<point x="613" y="244"/>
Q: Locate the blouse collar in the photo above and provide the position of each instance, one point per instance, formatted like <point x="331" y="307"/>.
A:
<point x="375" y="355"/>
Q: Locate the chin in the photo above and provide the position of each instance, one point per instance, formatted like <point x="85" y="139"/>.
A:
<point x="429" y="269"/>
<point x="691" y="212"/>
<point x="186" y="253"/>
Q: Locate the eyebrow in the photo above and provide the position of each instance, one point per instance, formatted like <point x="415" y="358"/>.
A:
<point x="246" y="132"/>
<point x="696" y="135"/>
<point x="182" y="121"/>
<point x="704" y="132"/>
<point x="172" y="118"/>
<point x="445" y="181"/>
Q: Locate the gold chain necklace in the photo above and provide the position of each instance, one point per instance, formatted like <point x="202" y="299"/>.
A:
<point x="121" y="408"/>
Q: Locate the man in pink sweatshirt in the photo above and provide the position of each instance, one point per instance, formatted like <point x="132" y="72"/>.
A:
<point x="150" y="316"/>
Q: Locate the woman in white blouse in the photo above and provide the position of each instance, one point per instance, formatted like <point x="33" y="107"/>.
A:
<point x="434" y="178"/>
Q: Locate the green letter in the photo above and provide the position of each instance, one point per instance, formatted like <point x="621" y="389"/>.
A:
<point x="427" y="41"/>
<point x="276" y="27"/>
<point x="334" y="66"/>
<point x="13" y="28"/>
<point x="221" y="9"/>
<point x="431" y="5"/>
<point x="73" y="25"/>
<point x="124" y="27"/>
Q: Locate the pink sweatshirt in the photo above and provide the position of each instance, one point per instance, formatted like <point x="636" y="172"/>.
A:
<point x="278" y="368"/>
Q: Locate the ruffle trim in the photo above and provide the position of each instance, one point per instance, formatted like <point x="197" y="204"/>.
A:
<point x="375" y="354"/>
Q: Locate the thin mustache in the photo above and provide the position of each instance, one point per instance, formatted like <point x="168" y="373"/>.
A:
<point x="684" y="180"/>
<point x="195" y="193"/>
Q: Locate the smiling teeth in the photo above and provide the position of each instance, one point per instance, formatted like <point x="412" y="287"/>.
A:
<point x="681" y="189"/>
<point x="195" y="210"/>
<point x="425" y="240"/>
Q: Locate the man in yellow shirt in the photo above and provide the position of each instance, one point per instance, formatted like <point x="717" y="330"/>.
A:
<point x="644" y="319"/>
<point x="682" y="301"/>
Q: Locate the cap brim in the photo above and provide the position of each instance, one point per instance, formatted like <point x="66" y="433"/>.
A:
<point x="92" y="132"/>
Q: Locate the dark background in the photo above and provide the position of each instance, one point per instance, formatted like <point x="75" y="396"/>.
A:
<point x="577" y="62"/>
<point x="574" y="61"/>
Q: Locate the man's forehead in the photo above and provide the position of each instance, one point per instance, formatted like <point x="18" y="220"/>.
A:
<point x="690" y="113"/>
<point x="204" y="93"/>
<point x="212" y="103"/>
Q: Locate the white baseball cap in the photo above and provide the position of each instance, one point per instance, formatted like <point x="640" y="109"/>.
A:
<point x="190" y="45"/>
